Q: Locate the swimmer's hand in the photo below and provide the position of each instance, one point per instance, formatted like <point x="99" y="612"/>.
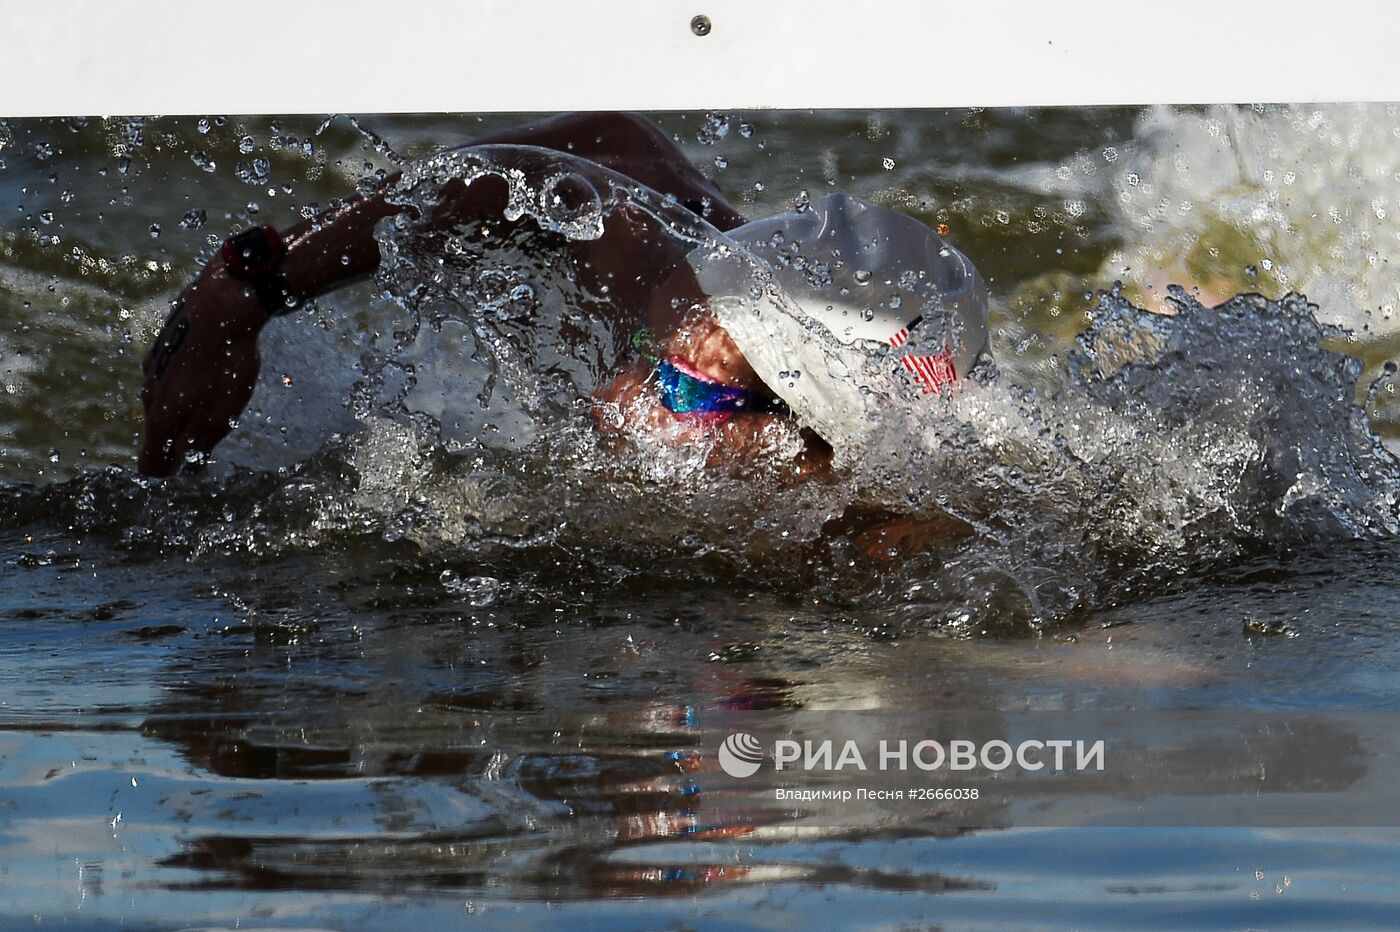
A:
<point x="200" y="372"/>
<point x="902" y="537"/>
<point x="885" y="536"/>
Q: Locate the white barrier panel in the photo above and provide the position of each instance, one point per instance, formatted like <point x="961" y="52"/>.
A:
<point x="96" y="57"/>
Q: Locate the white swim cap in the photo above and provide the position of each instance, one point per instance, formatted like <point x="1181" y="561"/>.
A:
<point x="869" y="277"/>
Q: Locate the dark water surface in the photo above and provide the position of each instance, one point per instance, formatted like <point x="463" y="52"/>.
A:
<point x="395" y="678"/>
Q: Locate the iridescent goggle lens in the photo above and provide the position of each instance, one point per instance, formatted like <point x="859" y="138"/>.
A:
<point x="684" y="393"/>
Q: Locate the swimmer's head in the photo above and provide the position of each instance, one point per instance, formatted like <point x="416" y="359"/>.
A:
<point x="877" y="281"/>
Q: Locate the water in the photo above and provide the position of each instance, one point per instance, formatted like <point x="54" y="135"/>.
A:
<point x="421" y="647"/>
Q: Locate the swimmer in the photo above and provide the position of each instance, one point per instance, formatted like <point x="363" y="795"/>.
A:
<point x="710" y="372"/>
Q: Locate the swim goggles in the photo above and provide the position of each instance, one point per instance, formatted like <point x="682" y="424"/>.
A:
<point x="683" y="390"/>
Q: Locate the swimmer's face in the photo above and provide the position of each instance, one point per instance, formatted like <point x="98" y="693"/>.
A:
<point x="707" y="347"/>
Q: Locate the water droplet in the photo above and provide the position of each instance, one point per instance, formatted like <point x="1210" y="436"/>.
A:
<point x="746" y="130"/>
<point x="478" y="590"/>
<point x="715" y="128"/>
<point x="203" y="126"/>
<point x="862" y="277"/>
<point x="201" y="159"/>
<point x="154" y="231"/>
<point x="888" y="163"/>
<point x="254" y="172"/>
<point x="721" y="162"/>
<point x="46" y="216"/>
<point x="53" y="456"/>
<point x="193" y="220"/>
<point x="246" y="144"/>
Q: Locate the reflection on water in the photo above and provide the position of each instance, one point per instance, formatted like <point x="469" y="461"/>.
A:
<point x="361" y="730"/>
<point x="404" y="676"/>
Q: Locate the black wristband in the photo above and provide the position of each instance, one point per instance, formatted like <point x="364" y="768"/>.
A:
<point x="255" y="256"/>
<point x="276" y="293"/>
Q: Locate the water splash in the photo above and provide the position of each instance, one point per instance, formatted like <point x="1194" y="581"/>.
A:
<point x="1152" y="448"/>
<point x="1155" y="447"/>
<point x="1159" y="447"/>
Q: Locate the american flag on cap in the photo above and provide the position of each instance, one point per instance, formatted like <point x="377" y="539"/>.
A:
<point x="932" y="372"/>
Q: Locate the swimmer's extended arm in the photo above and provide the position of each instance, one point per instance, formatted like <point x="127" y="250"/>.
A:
<point x="201" y="371"/>
<point x="338" y="246"/>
